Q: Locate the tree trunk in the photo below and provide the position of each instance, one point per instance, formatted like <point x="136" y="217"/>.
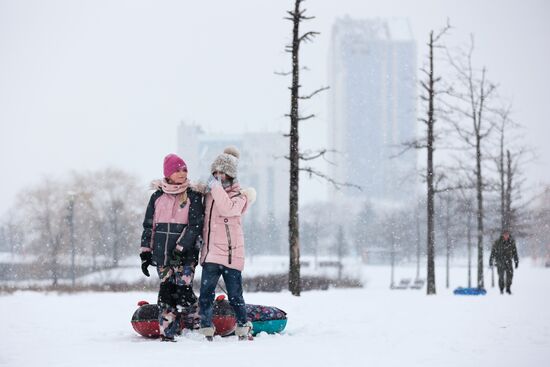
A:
<point x="479" y="189"/>
<point x="293" y="221"/>
<point x="502" y="187"/>
<point x="447" y="240"/>
<point x="508" y="200"/>
<point x="430" y="288"/>
<point x="392" y="261"/>
<point x="341" y="249"/>
<point x="117" y="208"/>
<point x="469" y="246"/>
<point x="417" y="246"/>
<point x="54" y="267"/>
<point x="71" y="239"/>
<point x="54" y="242"/>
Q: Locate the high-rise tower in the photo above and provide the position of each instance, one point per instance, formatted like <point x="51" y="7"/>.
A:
<point x="372" y="71"/>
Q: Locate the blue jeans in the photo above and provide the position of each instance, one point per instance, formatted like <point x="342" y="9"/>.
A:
<point x="234" y="283"/>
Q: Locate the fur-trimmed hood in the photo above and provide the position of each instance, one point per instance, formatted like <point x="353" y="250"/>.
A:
<point x="155" y="185"/>
<point x="250" y="194"/>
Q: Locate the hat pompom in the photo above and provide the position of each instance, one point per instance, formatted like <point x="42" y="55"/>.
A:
<point x="231" y="150"/>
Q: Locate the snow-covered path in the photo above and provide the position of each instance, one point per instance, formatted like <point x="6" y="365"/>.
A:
<point x="373" y="326"/>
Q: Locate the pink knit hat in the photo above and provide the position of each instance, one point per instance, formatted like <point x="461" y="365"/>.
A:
<point x="173" y="163"/>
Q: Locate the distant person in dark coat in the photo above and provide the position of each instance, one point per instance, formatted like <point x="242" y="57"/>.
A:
<point x="503" y="252"/>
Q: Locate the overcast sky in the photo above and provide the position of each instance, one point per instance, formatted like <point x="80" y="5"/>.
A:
<point x="91" y="84"/>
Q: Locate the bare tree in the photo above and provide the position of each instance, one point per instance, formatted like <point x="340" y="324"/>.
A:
<point x="504" y="114"/>
<point x="12" y="235"/>
<point x="72" y="242"/>
<point x="119" y="206"/>
<point x="418" y="239"/>
<point x="472" y="97"/>
<point x="512" y="155"/>
<point x="447" y="229"/>
<point x="466" y="206"/>
<point x="515" y="205"/>
<point x="42" y="210"/>
<point x="297" y="16"/>
<point x="508" y="165"/>
<point x="341" y="249"/>
<point x="430" y="91"/>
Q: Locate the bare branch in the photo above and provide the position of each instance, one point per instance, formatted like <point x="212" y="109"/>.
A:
<point x="306" y="117"/>
<point x="283" y="73"/>
<point x="409" y="145"/>
<point x="454" y="188"/>
<point x="442" y="32"/>
<point x="307" y="157"/>
<point x="314" y="93"/>
<point x="287" y="73"/>
<point x="308" y="36"/>
<point x="338" y="185"/>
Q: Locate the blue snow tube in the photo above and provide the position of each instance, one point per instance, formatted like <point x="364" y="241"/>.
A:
<point x="271" y="320"/>
<point x="470" y="291"/>
<point x="269" y="326"/>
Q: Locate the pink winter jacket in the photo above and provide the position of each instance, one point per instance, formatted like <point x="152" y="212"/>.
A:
<point x="223" y="233"/>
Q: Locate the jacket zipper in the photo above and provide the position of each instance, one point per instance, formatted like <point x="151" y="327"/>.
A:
<point x="229" y="243"/>
<point x="209" y="223"/>
<point x="166" y="246"/>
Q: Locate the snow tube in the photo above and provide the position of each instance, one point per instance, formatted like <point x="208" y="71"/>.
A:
<point x="269" y="326"/>
<point x="223" y="317"/>
<point x="145" y="319"/>
<point x="264" y="319"/>
<point x="470" y="291"/>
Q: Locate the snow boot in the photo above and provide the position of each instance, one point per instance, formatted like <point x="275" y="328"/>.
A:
<point x="508" y="291"/>
<point x="244" y="332"/>
<point x="208" y="332"/>
<point x="167" y="339"/>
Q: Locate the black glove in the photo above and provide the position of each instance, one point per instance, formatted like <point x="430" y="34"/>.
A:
<point x="517" y="263"/>
<point x="146" y="260"/>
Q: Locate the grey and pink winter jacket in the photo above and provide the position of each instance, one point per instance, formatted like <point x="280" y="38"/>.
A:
<point x="223" y="238"/>
<point x="167" y="223"/>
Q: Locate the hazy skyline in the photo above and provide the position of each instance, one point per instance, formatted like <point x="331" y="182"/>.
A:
<point x="90" y="84"/>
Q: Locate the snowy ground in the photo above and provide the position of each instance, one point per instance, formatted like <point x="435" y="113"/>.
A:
<point x="373" y="326"/>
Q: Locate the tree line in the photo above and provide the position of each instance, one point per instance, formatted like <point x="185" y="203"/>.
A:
<point x="89" y="220"/>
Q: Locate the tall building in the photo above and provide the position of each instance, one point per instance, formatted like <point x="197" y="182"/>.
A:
<point x="372" y="71"/>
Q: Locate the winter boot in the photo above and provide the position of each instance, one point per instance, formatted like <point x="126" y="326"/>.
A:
<point x="508" y="290"/>
<point x="501" y="291"/>
<point x="244" y="332"/>
<point x="208" y="332"/>
<point x="164" y="338"/>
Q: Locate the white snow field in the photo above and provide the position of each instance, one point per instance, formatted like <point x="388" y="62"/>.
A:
<point x="372" y="326"/>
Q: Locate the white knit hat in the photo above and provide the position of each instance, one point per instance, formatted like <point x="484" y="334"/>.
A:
<point x="227" y="162"/>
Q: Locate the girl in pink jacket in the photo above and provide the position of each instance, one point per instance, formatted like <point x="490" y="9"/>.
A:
<point x="222" y="252"/>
